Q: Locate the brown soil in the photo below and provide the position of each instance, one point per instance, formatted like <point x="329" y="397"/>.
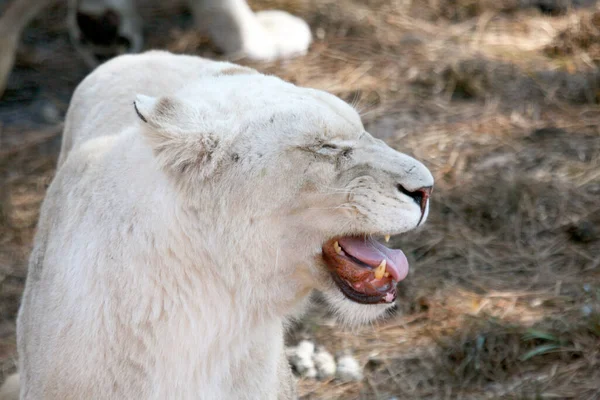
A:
<point x="499" y="99"/>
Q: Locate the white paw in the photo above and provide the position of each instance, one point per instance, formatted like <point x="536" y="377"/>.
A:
<point x="288" y="35"/>
<point x="239" y="32"/>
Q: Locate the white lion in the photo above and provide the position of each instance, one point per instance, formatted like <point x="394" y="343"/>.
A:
<point x="101" y="29"/>
<point x="183" y="229"/>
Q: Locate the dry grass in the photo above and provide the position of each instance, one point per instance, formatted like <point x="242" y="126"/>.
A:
<point x="500" y="100"/>
<point x="581" y="37"/>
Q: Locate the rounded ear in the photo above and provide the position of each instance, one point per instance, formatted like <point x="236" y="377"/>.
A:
<point x="164" y="113"/>
<point x="143" y="106"/>
<point x="182" y="137"/>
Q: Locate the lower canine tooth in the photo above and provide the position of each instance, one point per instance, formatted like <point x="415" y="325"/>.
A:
<point x="387" y="238"/>
<point x="380" y="270"/>
<point x="337" y="248"/>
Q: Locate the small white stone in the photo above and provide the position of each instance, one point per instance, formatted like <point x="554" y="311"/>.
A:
<point x="412" y="74"/>
<point x="306" y="348"/>
<point x="50" y="113"/>
<point x="325" y="364"/>
<point x="320" y="32"/>
<point x="348" y="369"/>
<point x="536" y="302"/>
<point x="587" y="287"/>
<point x="310" y="373"/>
<point x="301" y="358"/>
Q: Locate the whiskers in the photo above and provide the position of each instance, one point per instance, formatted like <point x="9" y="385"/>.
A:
<point x="340" y="207"/>
<point x="363" y="108"/>
<point x="333" y="190"/>
<point x="366" y="111"/>
<point x="355" y="101"/>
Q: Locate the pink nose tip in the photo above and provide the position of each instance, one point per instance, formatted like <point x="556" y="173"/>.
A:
<point x="420" y="196"/>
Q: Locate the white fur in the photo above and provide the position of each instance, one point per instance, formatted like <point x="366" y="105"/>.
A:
<point x="231" y="24"/>
<point x="170" y="252"/>
<point x="265" y="35"/>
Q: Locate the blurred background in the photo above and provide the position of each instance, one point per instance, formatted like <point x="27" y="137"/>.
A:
<point x="498" y="98"/>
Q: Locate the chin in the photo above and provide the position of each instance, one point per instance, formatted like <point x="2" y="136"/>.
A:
<point x="361" y="277"/>
<point x="351" y="313"/>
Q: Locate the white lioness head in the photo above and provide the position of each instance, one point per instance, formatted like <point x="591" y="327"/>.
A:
<point x="288" y="190"/>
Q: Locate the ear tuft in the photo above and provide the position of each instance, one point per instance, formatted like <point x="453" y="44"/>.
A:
<point x="165" y="113"/>
<point x="180" y="137"/>
<point x="143" y="106"/>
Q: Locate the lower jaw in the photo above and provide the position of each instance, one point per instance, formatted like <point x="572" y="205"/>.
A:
<point x="363" y="298"/>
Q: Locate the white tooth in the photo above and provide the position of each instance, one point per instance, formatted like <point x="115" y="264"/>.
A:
<point x="380" y="270"/>
<point x="337" y="248"/>
<point x="387" y="238"/>
<point x="387" y="274"/>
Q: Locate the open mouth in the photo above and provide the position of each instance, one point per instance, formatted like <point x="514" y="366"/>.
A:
<point x="365" y="270"/>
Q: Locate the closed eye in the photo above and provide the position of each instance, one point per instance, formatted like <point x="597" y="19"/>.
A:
<point x="330" y="149"/>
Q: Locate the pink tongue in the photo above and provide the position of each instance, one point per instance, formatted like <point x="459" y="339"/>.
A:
<point x="371" y="253"/>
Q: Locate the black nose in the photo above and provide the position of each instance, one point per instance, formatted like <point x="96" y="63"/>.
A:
<point x="420" y="196"/>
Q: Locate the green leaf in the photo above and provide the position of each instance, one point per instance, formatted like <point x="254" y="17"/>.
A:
<point x="543" y="349"/>
<point x="533" y="334"/>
